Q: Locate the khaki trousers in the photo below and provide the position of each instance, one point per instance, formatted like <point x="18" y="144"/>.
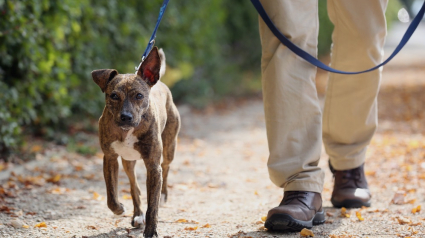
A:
<point x="292" y="109"/>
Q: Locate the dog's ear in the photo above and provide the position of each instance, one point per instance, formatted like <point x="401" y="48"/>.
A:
<point x="102" y="77"/>
<point x="150" y="68"/>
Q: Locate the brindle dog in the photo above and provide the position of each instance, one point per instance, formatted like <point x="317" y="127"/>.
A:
<point x="139" y="121"/>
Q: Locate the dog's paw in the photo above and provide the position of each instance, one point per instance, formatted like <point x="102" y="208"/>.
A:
<point x="121" y="213"/>
<point x="139" y="221"/>
<point x="162" y="200"/>
<point x="148" y="233"/>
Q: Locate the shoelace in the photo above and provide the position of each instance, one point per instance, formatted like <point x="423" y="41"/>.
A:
<point x="352" y="174"/>
<point x="296" y="195"/>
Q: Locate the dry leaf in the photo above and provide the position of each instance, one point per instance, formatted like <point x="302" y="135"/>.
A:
<point x="306" y="233"/>
<point x="41" y="224"/>
<point x="91" y="227"/>
<point x="54" y="179"/>
<point x="96" y="196"/>
<point x="206" y="226"/>
<point x="403" y="220"/>
<point x="25" y="226"/>
<point x="344" y="212"/>
<point x="126" y="197"/>
<point x="359" y="216"/>
<point x="329" y="214"/>
<point x="191" y="228"/>
<point x="399" y="198"/>
<point x="416" y="209"/>
<point x="181" y="221"/>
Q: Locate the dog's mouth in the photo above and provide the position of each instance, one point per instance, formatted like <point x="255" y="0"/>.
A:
<point x="127" y="126"/>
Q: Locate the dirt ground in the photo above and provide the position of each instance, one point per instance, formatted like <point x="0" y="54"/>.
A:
<point x="218" y="183"/>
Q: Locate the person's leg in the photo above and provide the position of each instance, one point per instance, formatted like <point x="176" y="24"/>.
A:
<point x="350" y="113"/>
<point x="291" y="105"/>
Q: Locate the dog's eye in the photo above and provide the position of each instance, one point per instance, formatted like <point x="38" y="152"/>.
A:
<point x="139" y="96"/>
<point x="114" y="96"/>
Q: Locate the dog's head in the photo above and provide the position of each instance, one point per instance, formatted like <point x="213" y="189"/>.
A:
<point x="127" y="95"/>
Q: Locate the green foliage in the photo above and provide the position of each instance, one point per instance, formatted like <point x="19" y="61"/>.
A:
<point x="48" y="49"/>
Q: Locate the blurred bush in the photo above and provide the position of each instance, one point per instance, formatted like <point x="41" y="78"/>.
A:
<point x="48" y="49"/>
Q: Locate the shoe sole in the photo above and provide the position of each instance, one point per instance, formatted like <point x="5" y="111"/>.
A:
<point x="350" y="203"/>
<point x="285" y="222"/>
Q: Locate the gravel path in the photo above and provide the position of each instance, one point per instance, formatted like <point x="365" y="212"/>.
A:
<point x="218" y="184"/>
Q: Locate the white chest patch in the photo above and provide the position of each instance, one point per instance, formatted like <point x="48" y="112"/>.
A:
<point x="125" y="148"/>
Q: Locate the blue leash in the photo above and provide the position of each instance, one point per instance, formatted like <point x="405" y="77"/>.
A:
<point x="152" y="39"/>
<point x="312" y="60"/>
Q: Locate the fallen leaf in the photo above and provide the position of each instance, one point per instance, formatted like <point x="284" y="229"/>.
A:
<point x="206" y="226"/>
<point x="329" y="214"/>
<point x="399" y="198"/>
<point x="416" y="209"/>
<point x="54" y="179"/>
<point x="191" y="228"/>
<point x="91" y="227"/>
<point x="41" y="224"/>
<point x="344" y="212"/>
<point x="96" y="196"/>
<point x="17" y="223"/>
<point x="181" y="221"/>
<point x="78" y="167"/>
<point x="25" y="226"/>
<point x="126" y="197"/>
<point x="306" y="233"/>
<point x="359" y="216"/>
<point x="403" y="220"/>
<point x="264" y="218"/>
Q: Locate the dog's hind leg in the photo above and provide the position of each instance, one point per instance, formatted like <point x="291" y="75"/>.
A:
<point x="138" y="219"/>
<point x="169" y="142"/>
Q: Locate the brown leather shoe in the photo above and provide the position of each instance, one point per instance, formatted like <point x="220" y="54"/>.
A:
<point x="350" y="188"/>
<point x="297" y="210"/>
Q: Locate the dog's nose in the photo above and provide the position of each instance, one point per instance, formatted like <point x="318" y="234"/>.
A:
<point x="125" y="117"/>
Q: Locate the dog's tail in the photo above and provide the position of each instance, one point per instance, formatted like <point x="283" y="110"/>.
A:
<point x="163" y="64"/>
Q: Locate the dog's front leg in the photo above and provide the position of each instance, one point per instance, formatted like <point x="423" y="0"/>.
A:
<point x="138" y="217"/>
<point x="153" y="186"/>
<point x="110" y="171"/>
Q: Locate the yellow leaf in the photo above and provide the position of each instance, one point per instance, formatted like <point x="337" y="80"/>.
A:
<point x="126" y="197"/>
<point x="206" y="226"/>
<point x="26" y="226"/>
<point x="96" y="196"/>
<point x="181" y="221"/>
<point x="344" y="212"/>
<point x="306" y="233"/>
<point x="416" y="209"/>
<point x="359" y="216"/>
<point x="54" y="179"/>
<point x="191" y="228"/>
<point x="41" y="224"/>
